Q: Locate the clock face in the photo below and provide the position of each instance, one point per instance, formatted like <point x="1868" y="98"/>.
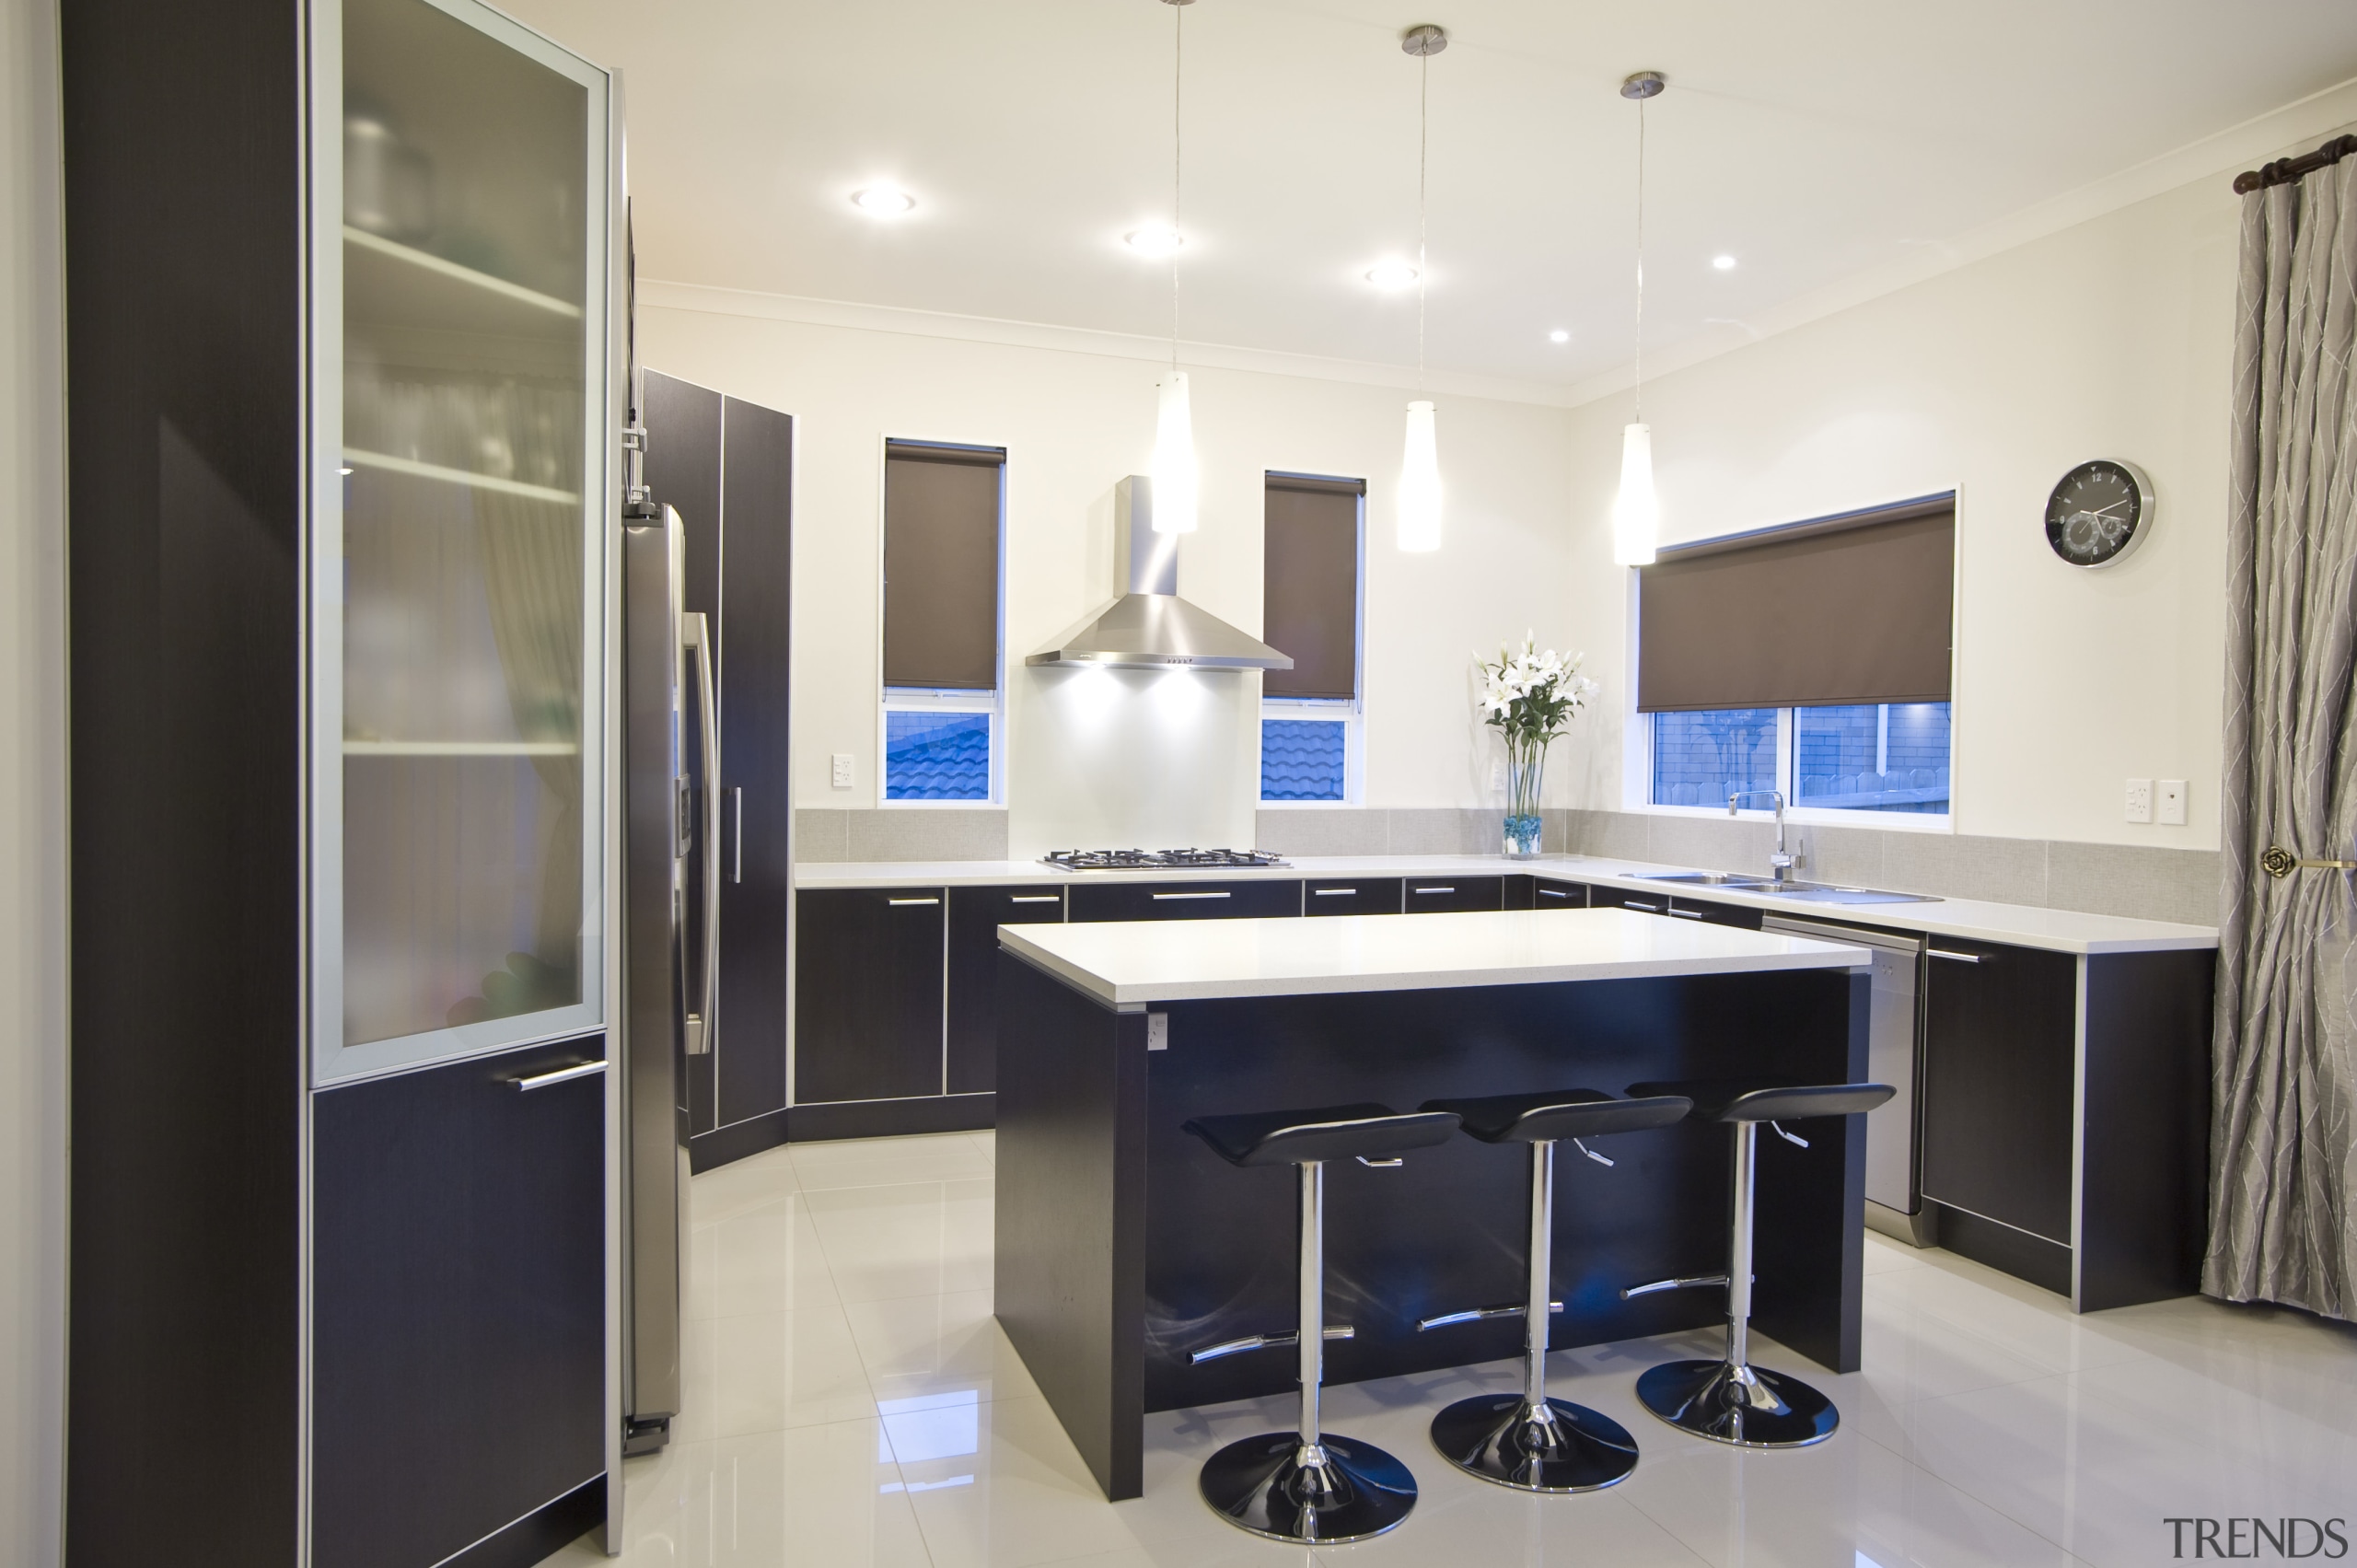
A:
<point x="2097" y="511"/>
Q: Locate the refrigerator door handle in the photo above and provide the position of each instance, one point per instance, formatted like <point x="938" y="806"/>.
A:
<point x="695" y="634"/>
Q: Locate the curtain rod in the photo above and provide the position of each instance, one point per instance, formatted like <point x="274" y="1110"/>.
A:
<point x="2283" y="170"/>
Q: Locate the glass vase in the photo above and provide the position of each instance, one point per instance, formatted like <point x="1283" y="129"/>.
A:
<point x="1526" y="769"/>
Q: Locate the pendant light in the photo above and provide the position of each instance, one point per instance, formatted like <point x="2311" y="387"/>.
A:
<point x="1174" y="424"/>
<point x="1420" y="457"/>
<point x="1636" y="513"/>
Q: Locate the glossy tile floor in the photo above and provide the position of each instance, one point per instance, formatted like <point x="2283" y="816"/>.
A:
<point x="851" y="1402"/>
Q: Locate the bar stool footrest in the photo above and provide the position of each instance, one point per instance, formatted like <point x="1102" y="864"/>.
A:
<point x="1265" y="1341"/>
<point x="1479" y="1315"/>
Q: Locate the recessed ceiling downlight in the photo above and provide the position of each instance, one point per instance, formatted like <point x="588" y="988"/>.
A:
<point x="883" y="201"/>
<point x="1558" y="336"/>
<point x="1154" y="240"/>
<point x="1392" y="273"/>
<point x="1723" y="264"/>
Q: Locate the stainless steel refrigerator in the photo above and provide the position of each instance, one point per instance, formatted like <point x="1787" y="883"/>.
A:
<point x="670" y="743"/>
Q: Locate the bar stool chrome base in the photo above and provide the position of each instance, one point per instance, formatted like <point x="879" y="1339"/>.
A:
<point x="1749" y="1407"/>
<point x="1501" y="1438"/>
<point x="1330" y="1493"/>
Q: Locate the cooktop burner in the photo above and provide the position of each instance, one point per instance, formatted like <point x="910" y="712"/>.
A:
<point x="1142" y="859"/>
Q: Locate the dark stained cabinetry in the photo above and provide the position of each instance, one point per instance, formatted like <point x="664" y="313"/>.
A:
<point x="975" y="915"/>
<point x="1183" y="900"/>
<point x="726" y="466"/>
<point x="1445" y="895"/>
<point x="1998" y="1068"/>
<point x="1354" y="895"/>
<point x="868" y="1009"/>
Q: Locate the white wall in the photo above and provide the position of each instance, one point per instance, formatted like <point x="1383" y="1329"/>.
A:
<point x="1073" y="423"/>
<point x="2109" y="338"/>
<point x="32" y="793"/>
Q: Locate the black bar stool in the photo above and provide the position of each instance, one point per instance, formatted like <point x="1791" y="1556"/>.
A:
<point x="1526" y="1440"/>
<point x="1730" y="1401"/>
<point x="1307" y="1485"/>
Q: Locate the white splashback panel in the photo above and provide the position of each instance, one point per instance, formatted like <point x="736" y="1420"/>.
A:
<point x="1122" y="759"/>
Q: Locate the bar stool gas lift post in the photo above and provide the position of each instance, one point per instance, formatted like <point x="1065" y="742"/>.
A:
<point x="1529" y="1441"/>
<point x="1309" y="1486"/>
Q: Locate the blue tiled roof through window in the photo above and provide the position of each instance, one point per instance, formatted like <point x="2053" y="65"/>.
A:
<point x="1301" y="758"/>
<point x="937" y="756"/>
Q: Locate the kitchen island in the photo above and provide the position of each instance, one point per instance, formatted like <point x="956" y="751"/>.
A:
<point x="1123" y="1244"/>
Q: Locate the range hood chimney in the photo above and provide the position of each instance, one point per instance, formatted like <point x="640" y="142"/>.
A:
<point x="1150" y="627"/>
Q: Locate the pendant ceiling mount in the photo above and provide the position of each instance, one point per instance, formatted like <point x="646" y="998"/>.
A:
<point x="1420" y="41"/>
<point x="1641" y="86"/>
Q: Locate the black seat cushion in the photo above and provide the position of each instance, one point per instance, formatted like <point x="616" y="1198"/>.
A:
<point x="1561" y="1113"/>
<point x="1325" y="1132"/>
<point x="1766" y="1099"/>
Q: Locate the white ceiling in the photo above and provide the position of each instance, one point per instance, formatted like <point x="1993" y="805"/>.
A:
<point x="1812" y="142"/>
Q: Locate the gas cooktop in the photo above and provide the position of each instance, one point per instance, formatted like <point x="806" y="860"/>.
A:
<point x="1150" y="859"/>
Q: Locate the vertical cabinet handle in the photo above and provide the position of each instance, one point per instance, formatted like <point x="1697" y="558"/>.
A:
<point x="695" y="634"/>
<point x="737" y="833"/>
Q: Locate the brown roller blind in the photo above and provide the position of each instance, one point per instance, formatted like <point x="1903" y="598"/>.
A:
<point x="1309" y="585"/>
<point x="941" y="523"/>
<point x="1854" y="608"/>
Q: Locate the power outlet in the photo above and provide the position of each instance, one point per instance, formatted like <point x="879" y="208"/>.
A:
<point x="2140" y="800"/>
<point x="1497" y="778"/>
<point x="2173" y="803"/>
<point x="843" y="769"/>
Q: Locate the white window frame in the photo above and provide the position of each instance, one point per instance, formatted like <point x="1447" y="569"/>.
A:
<point x="1637" y="752"/>
<point x="1351" y="711"/>
<point x="918" y="699"/>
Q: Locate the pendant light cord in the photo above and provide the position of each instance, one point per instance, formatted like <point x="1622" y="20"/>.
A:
<point x="1641" y="261"/>
<point x="1177" y="234"/>
<point x="1423" y="137"/>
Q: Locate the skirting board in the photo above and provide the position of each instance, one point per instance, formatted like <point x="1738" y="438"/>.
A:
<point x="540" y="1533"/>
<point x="890" y="1118"/>
<point x="726" y="1145"/>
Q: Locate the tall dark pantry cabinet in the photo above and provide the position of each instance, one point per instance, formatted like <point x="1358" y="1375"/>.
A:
<point x="344" y="408"/>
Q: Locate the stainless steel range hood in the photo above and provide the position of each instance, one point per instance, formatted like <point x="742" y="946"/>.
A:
<point x="1150" y="627"/>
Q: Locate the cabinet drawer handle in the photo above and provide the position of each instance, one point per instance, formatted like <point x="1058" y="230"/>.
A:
<point x="1553" y="893"/>
<point x="1332" y="892"/>
<point x="1190" y="895"/>
<point x="898" y="904"/>
<point x="1633" y="904"/>
<point x="561" y="1075"/>
<point x="1436" y="889"/>
<point x="1037" y="899"/>
<point x="1686" y="914"/>
<point x="1956" y="957"/>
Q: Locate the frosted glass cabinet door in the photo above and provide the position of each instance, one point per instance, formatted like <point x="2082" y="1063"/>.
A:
<point x="461" y="551"/>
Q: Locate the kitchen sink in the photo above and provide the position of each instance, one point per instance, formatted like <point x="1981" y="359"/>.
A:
<point x="1800" y="892"/>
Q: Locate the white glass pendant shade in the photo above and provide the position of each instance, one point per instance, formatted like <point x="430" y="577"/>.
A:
<point x="1637" y="514"/>
<point x="1420" y="483"/>
<point x="1174" y="459"/>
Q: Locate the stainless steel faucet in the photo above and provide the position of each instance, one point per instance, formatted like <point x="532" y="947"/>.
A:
<point x="1782" y="861"/>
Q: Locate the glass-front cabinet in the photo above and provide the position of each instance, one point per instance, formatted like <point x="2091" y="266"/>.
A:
<point x="462" y="380"/>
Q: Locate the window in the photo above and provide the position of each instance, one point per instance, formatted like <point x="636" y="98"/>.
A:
<point x="944" y="510"/>
<point x="1860" y="757"/>
<point x="1812" y="660"/>
<point x="1311" y="613"/>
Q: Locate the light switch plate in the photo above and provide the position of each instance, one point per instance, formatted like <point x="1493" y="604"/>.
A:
<point x="2140" y="800"/>
<point x="1497" y="778"/>
<point x="1157" y="1031"/>
<point x="2172" y="803"/>
<point x="843" y="769"/>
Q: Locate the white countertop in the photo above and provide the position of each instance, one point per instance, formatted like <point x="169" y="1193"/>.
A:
<point x="1193" y="960"/>
<point x="2065" y="930"/>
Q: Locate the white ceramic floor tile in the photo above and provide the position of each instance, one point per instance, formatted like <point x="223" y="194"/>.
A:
<point x="915" y="1239"/>
<point x="871" y="1162"/>
<point x="850" y="1400"/>
<point x="934" y="1345"/>
<point x="768" y="1371"/>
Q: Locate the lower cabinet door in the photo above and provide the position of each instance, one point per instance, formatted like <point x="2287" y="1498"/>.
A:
<point x="458" y="1303"/>
<point x="867" y="1004"/>
<point x="1352" y="895"/>
<point x="1443" y="895"/>
<point x="975" y="915"/>
<point x="1182" y="901"/>
<point x="2000" y="1026"/>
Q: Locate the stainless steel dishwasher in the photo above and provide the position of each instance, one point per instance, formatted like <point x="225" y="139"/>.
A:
<point x="1894" y="1168"/>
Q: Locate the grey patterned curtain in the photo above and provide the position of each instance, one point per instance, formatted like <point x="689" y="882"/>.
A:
<point x="2283" y="1135"/>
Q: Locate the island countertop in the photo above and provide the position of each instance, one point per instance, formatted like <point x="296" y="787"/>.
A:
<point x="1131" y="963"/>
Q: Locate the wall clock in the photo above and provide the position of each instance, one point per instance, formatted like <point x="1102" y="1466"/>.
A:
<point x="2098" y="512"/>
